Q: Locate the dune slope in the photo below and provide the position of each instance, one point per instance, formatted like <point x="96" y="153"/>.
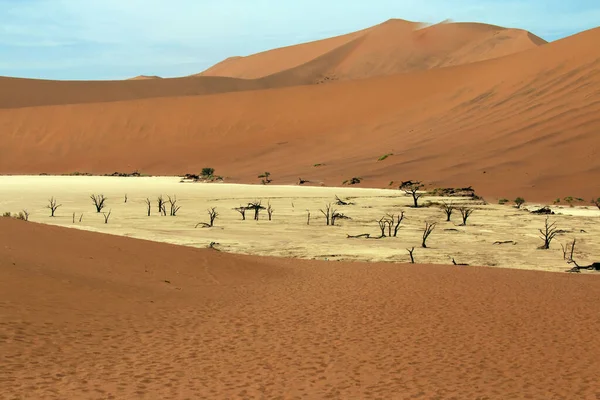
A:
<point x="396" y="46"/>
<point x="520" y="125"/>
<point x="87" y="316"/>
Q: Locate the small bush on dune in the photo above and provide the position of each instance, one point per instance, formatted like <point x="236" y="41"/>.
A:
<point x="502" y="201"/>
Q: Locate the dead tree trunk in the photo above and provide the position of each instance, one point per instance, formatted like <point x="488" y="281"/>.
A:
<point x="256" y="206"/>
<point x="148" y="205"/>
<point x="568" y="250"/>
<point x="73" y="217"/>
<point x="327" y="213"/>
<point x="548" y="233"/>
<point x="465" y="212"/>
<point x="308" y="217"/>
<point x="80" y="217"/>
<point x="174" y="206"/>
<point x="125" y="198"/>
<point x="98" y="201"/>
<point x="270" y="210"/>
<point x="382" y="224"/>
<point x="162" y="210"/>
<point x="448" y="209"/>
<point x="52" y="206"/>
<point x="107" y="216"/>
<point x="242" y="211"/>
<point x="429" y="227"/>
<point x="26" y="214"/>
<point x="395" y="221"/>
<point x="413" y="190"/>
<point x="410" y="253"/>
<point x="212" y="214"/>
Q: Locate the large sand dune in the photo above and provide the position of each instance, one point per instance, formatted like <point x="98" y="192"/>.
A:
<point x="392" y="47"/>
<point x="524" y="124"/>
<point x="86" y="315"/>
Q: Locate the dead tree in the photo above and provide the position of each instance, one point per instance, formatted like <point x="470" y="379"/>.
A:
<point x="596" y="202"/>
<point x="341" y="202"/>
<point x="413" y="190"/>
<point x="429" y="227"/>
<point x="455" y="263"/>
<point x="302" y="181"/>
<point x="242" y="211"/>
<point x="52" y="206"/>
<point x="410" y="253"/>
<point x="98" y="200"/>
<point x="448" y="209"/>
<point x="26" y="214"/>
<point x="382" y="224"/>
<point x="330" y="214"/>
<point x="106" y="216"/>
<point x="547" y="234"/>
<point x="256" y="206"/>
<point x="148" y="205"/>
<point x="308" y="217"/>
<point x="212" y="214"/>
<point x="73" y="217"/>
<point x="465" y="212"/>
<point x="568" y="250"/>
<point x="365" y="235"/>
<point x="395" y="221"/>
<point x="174" y="206"/>
<point x="270" y="210"/>
<point x="336" y="215"/>
<point x="161" y="203"/>
<point x="125" y="198"/>
<point x="80" y="217"/>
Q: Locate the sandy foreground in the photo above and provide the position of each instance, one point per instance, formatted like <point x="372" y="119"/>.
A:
<point x="91" y="316"/>
<point x="288" y="235"/>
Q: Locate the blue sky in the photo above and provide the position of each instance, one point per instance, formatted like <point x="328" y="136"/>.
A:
<point x="116" y="39"/>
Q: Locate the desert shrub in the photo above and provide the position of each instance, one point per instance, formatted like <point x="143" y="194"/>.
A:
<point x="557" y="201"/>
<point x="318" y="165"/>
<point x="207" y="172"/>
<point x="519" y="201"/>
<point x="383" y="157"/>
<point x="355" y="180"/>
<point x="7" y="214"/>
<point x="503" y="201"/>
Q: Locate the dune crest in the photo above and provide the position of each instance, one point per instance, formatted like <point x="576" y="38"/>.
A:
<point x="395" y="46"/>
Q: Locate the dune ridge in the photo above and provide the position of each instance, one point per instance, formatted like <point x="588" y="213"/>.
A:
<point x="395" y="46"/>
<point x="106" y="316"/>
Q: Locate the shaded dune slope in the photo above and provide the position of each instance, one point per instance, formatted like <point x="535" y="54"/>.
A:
<point x="520" y="125"/>
<point x="87" y="315"/>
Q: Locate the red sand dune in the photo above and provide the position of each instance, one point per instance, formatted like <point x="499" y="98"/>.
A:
<point x="85" y="315"/>
<point x="521" y="125"/>
<point x="143" y="77"/>
<point x="392" y="47"/>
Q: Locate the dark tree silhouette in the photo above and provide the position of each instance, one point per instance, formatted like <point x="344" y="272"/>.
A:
<point x="429" y="227"/>
<point x="413" y="190"/>
<point x="548" y="233"/>
<point x="448" y="209"/>
<point x="107" y="216"/>
<point x="148" y="205"/>
<point x="410" y="253"/>
<point x="52" y="206"/>
<point x="98" y="200"/>
<point x="465" y="212"/>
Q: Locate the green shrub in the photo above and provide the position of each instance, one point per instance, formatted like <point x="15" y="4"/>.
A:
<point x="519" y="201"/>
<point x="503" y="201"/>
<point x="207" y="172"/>
<point x="383" y="157"/>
